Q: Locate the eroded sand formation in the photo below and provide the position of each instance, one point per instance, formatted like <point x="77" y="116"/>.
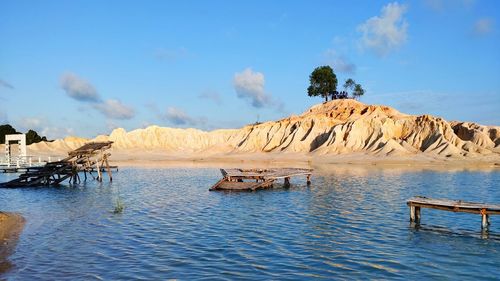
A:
<point x="332" y="128"/>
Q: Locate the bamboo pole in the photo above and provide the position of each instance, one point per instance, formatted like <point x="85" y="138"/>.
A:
<point x="99" y="176"/>
<point x="108" y="168"/>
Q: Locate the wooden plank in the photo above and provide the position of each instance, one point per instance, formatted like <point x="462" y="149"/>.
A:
<point x="216" y="185"/>
<point x="454" y="205"/>
<point x="233" y="179"/>
<point x="267" y="173"/>
<point x="266" y="184"/>
<point x="234" y="185"/>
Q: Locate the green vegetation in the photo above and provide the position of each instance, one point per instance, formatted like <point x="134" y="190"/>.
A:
<point x="31" y="136"/>
<point x="358" y="91"/>
<point x="323" y="82"/>
<point x="6" y="130"/>
<point x="349" y="84"/>
<point x="119" y="207"/>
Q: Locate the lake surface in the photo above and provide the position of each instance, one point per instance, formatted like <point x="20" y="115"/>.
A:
<point x="351" y="223"/>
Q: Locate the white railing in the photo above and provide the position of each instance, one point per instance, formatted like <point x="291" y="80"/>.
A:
<point x="28" y="161"/>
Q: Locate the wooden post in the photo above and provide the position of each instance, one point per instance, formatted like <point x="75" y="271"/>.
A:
<point x="485" y="220"/>
<point x="309" y="179"/>
<point x="108" y="168"/>
<point x="414" y="214"/>
<point x="99" y="176"/>
<point x="287" y="182"/>
<point x="417" y="214"/>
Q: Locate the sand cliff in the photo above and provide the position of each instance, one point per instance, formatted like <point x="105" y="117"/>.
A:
<point x="337" y="127"/>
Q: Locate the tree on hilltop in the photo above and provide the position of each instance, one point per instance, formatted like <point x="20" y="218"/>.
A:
<point x="358" y="91"/>
<point x="323" y="82"/>
<point x="349" y="84"/>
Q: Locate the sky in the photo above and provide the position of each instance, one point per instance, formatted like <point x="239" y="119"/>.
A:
<point x="86" y="67"/>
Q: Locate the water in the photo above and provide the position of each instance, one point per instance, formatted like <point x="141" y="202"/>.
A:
<point x="351" y="223"/>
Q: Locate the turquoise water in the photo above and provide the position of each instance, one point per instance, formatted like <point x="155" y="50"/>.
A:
<point x="351" y="223"/>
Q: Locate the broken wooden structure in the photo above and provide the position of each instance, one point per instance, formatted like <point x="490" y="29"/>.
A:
<point x="254" y="179"/>
<point x="89" y="157"/>
<point x="485" y="210"/>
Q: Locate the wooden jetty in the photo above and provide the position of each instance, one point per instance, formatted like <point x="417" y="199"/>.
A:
<point x="485" y="210"/>
<point x="89" y="157"/>
<point x="254" y="179"/>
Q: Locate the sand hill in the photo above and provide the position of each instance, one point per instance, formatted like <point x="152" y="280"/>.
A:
<point x="339" y="127"/>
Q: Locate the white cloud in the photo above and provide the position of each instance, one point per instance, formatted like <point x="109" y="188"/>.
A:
<point x="114" y="109"/>
<point x="483" y="26"/>
<point x="211" y="95"/>
<point x="387" y="32"/>
<point x="6" y="84"/>
<point x="177" y="116"/>
<point x="56" y="132"/>
<point x="78" y="88"/>
<point x="32" y="123"/>
<point x="250" y="85"/>
<point x="43" y="127"/>
<point x="338" y="62"/>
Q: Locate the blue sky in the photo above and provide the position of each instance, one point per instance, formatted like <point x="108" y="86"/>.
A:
<point x="86" y="67"/>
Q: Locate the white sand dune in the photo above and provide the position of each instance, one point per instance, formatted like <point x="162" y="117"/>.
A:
<point x="335" y="128"/>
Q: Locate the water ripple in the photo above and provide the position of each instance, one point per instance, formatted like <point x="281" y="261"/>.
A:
<point x="349" y="224"/>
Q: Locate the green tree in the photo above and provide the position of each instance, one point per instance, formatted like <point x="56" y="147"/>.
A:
<point x="323" y="82"/>
<point x="33" y="137"/>
<point x="358" y="91"/>
<point x="349" y="84"/>
<point x="6" y="130"/>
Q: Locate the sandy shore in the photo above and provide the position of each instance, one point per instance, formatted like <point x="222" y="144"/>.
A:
<point x="265" y="160"/>
<point x="11" y="225"/>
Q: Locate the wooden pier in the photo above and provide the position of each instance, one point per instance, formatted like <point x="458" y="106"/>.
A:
<point x="254" y="179"/>
<point x="485" y="210"/>
<point x="90" y="157"/>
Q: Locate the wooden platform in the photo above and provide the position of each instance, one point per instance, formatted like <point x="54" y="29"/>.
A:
<point x="254" y="179"/>
<point x="84" y="159"/>
<point x="485" y="210"/>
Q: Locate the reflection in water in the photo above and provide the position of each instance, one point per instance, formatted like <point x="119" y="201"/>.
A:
<point x="352" y="222"/>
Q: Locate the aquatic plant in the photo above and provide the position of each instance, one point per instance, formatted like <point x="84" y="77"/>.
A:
<point x="119" y="207"/>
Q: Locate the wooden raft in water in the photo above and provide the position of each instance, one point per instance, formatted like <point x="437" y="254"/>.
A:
<point x="254" y="179"/>
<point x="418" y="202"/>
<point x="86" y="158"/>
